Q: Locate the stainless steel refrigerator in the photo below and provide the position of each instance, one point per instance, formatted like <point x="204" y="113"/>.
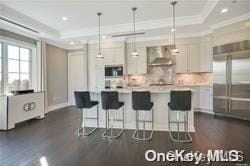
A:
<point x="231" y="74"/>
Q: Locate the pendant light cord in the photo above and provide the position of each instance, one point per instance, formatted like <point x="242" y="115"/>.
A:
<point x="99" y="31"/>
<point x="134" y="9"/>
<point x="173" y="3"/>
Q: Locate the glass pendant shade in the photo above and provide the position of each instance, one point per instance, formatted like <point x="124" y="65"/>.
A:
<point x="175" y="51"/>
<point x="99" y="55"/>
<point x="134" y="54"/>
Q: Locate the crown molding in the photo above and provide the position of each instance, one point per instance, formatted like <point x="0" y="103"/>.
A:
<point x="230" y="21"/>
<point x="109" y="40"/>
<point x="208" y="8"/>
<point x="54" y="43"/>
<point x="169" y="37"/>
<point x="13" y="15"/>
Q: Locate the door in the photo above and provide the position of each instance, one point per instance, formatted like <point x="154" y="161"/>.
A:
<point x="220" y="88"/>
<point x="240" y="84"/>
<point x="77" y="74"/>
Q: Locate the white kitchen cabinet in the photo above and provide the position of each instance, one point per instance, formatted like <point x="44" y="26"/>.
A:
<point x="182" y="59"/>
<point x="119" y="55"/>
<point x="113" y="56"/>
<point x="95" y="71"/>
<point x="193" y="58"/>
<point x="137" y="65"/>
<point x="206" y="98"/>
<point x="206" y="56"/>
<point x="108" y="54"/>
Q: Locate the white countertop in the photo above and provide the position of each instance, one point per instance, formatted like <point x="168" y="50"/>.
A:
<point x="152" y="90"/>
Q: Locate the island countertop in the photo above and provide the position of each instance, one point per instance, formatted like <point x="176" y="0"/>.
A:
<point x="152" y="90"/>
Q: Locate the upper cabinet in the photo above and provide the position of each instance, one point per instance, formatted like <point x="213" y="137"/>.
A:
<point x="195" y="58"/>
<point x="187" y="61"/>
<point x="137" y="65"/>
<point x="114" y="56"/>
<point x="206" y="56"/>
<point x="182" y="59"/>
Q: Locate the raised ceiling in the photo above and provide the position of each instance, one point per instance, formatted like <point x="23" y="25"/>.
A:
<point x="154" y="17"/>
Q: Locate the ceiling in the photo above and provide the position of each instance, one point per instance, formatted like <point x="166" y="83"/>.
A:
<point x="153" y="17"/>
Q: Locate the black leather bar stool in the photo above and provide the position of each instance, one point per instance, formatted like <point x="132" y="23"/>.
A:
<point x="83" y="102"/>
<point x="141" y="101"/>
<point x="110" y="102"/>
<point x="180" y="102"/>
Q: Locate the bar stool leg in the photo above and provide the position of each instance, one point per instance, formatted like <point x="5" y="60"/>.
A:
<point x="185" y="122"/>
<point x="79" y="130"/>
<point x="136" y="132"/>
<point x="111" y="136"/>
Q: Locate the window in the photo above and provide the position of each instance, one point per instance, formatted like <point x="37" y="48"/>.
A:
<point x="19" y="67"/>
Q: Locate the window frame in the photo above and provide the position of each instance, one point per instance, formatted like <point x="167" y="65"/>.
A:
<point x="5" y="42"/>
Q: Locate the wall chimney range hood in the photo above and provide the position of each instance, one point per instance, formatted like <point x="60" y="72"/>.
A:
<point x="163" y="58"/>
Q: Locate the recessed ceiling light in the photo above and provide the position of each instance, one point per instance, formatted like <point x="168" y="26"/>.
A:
<point x="172" y="30"/>
<point x="224" y="10"/>
<point x="71" y="43"/>
<point x="104" y="37"/>
<point x="64" y="18"/>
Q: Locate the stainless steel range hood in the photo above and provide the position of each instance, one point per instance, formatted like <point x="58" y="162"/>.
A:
<point x="163" y="58"/>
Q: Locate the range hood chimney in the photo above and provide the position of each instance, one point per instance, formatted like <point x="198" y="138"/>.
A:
<point x="162" y="59"/>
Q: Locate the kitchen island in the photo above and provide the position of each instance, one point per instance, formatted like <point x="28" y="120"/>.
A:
<point x="159" y="96"/>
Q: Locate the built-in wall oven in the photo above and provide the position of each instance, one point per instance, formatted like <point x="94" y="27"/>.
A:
<point x="114" y="71"/>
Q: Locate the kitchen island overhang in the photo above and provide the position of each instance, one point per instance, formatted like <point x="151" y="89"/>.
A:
<point x="160" y="98"/>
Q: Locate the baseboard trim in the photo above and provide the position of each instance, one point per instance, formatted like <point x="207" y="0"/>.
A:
<point x="205" y="111"/>
<point x="58" y="106"/>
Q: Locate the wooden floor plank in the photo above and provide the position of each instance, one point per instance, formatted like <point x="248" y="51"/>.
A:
<point x="53" y="138"/>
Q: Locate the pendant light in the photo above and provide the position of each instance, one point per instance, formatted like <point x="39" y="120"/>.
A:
<point x="174" y="51"/>
<point x="134" y="53"/>
<point x="99" y="54"/>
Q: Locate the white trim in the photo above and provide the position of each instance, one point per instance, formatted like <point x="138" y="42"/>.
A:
<point x="230" y="21"/>
<point x="208" y="8"/>
<point x="22" y="19"/>
<point x="58" y="106"/>
<point x="167" y="37"/>
<point x="54" y="43"/>
<point x="205" y="111"/>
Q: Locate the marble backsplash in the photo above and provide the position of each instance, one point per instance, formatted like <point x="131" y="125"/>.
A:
<point x="185" y="79"/>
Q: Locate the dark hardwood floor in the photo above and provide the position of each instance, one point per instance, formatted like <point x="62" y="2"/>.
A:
<point x="53" y="140"/>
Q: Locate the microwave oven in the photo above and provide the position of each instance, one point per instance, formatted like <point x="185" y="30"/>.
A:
<point x="114" y="71"/>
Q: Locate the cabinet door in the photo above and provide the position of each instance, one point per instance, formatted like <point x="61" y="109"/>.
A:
<point x="130" y="62"/>
<point x="206" y="57"/>
<point x="193" y="58"/>
<point x="91" y="69"/>
<point x="108" y="54"/>
<point x="206" y="98"/>
<point x="141" y="64"/>
<point x="119" y="55"/>
<point x="181" y="59"/>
